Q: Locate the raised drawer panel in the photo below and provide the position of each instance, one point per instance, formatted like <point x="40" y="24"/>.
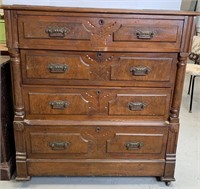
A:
<point x="95" y="33"/>
<point x="98" y="68"/>
<point x="142" y="69"/>
<point x="98" y="101"/>
<point x="136" y="143"/>
<point x="46" y="65"/>
<point x="55" y="143"/>
<point x="142" y="104"/>
<point x="144" y="31"/>
<point x="53" y="103"/>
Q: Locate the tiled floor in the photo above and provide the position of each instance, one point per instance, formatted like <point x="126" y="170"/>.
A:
<point x="187" y="169"/>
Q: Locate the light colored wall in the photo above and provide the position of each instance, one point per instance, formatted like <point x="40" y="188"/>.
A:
<point x="1" y="11"/>
<point x="134" y="4"/>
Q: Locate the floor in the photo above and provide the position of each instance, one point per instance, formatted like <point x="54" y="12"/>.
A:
<point x="187" y="170"/>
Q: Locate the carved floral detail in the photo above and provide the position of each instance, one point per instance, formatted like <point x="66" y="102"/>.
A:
<point x="100" y="35"/>
<point x="174" y="128"/>
<point x="98" y="101"/>
<point x="19" y="126"/>
<point x="100" y="66"/>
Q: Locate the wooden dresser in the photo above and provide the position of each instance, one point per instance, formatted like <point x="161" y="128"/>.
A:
<point x="97" y="92"/>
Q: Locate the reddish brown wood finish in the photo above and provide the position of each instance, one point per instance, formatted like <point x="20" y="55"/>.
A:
<point x="97" y="92"/>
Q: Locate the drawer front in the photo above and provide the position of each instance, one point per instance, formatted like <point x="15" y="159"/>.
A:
<point x="96" y="141"/>
<point x="97" y="101"/>
<point x="130" y="32"/>
<point x="75" y="68"/>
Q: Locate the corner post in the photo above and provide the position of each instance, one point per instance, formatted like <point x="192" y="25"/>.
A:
<point x="174" y="120"/>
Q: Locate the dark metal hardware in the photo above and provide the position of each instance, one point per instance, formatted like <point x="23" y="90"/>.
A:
<point x="99" y="54"/>
<point x="98" y="129"/>
<point x="145" y="34"/>
<point x="101" y="22"/>
<point x="140" y="70"/>
<point x="57" y="31"/>
<point x="136" y="106"/>
<point x="59" y="145"/>
<point x="133" y="145"/>
<point x="59" y="104"/>
<point x="98" y="92"/>
<point x="58" y="68"/>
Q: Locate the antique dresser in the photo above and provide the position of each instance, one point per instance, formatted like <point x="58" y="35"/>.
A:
<point x="97" y="92"/>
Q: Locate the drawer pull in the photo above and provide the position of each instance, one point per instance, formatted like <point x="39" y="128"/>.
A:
<point x="59" y="104"/>
<point x="144" y="34"/>
<point x="136" y="106"/>
<point x="140" y="70"/>
<point x="57" y="31"/>
<point x="59" y="145"/>
<point x="133" y="145"/>
<point x="58" y="68"/>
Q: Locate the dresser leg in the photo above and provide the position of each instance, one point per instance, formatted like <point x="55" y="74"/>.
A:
<point x="168" y="183"/>
<point x="22" y="178"/>
<point x="21" y="156"/>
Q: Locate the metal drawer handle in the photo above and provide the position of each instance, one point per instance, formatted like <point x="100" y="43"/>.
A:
<point x="57" y="31"/>
<point x="133" y="145"/>
<point x="59" y="145"/>
<point x="140" y="70"/>
<point x="58" y="68"/>
<point x="136" y="106"/>
<point x="144" y="34"/>
<point x="59" y="104"/>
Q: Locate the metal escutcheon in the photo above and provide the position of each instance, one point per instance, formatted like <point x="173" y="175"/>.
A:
<point x="57" y="31"/>
<point x="140" y="70"/>
<point x="59" y="104"/>
<point x="144" y="34"/>
<point x="59" y="145"/>
<point x="133" y="145"/>
<point x="136" y="106"/>
<point x="58" y="68"/>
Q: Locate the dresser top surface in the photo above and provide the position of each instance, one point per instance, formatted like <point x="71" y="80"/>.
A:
<point x="98" y="10"/>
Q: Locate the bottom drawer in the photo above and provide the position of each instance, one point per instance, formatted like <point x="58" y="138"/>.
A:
<point x="96" y="142"/>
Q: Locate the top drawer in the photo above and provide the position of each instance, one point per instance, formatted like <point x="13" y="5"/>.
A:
<point x="103" y="33"/>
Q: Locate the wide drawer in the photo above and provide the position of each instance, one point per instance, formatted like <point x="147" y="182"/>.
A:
<point x="98" y="141"/>
<point x="52" y="102"/>
<point x="92" y="68"/>
<point x="117" y="32"/>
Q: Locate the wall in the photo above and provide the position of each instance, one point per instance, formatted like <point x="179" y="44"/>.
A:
<point x="134" y="4"/>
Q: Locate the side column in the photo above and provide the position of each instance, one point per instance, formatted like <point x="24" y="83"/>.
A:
<point x="174" y="120"/>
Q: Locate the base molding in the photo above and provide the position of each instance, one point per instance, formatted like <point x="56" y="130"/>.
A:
<point x="7" y="169"/>
<point x="23" y="178"/>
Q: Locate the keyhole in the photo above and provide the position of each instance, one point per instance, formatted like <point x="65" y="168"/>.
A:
<point x="98" y="92"/>
<point x="99" y="55"/>
<point x="98" y="129"/>
<point x="101" y="22"/>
